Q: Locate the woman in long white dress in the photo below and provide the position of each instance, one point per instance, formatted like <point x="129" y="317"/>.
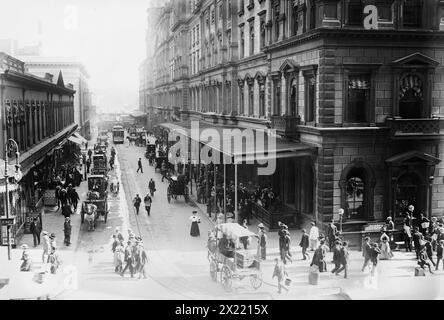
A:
<point x="386" y="252"/>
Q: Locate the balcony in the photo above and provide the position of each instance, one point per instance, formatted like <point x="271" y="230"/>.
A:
<point x="415" y="128"/>
<point x="285" y="125"/>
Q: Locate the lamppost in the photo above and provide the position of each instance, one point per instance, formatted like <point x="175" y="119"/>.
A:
<point x="11" y="146"/>
<point x="341" y="213"/>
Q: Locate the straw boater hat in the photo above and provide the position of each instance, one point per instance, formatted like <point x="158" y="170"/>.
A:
<point x="45" y="233"/>
<point x="261" y="226"/>
<point x="24" y="246"/>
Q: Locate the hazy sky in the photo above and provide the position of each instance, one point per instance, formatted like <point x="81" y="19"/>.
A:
<point x="107" y="36"/>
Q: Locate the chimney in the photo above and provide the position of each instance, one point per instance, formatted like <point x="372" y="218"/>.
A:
<point x="48" y="77"/>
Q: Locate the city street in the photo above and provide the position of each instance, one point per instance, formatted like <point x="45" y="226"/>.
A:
<point x="298" y="121"/>
<point x="178" y="267"/>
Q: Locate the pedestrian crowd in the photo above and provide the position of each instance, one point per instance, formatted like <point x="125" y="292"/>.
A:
<point x="50" y="257"/>
<point x="129" y="255"/>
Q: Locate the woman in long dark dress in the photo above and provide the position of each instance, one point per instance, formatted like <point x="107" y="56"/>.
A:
<point x="195" y="220"/>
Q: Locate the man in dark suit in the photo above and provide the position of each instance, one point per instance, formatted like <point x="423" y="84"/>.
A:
<point x="332" y="231"/>
<point x="36" y="229"/>
<point x="417" y="241"/>
<point x="366" y="252"/>
<point x="304" y="244"/>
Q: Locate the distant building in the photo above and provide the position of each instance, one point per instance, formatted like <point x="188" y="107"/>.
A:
<point x="74" y="73"/>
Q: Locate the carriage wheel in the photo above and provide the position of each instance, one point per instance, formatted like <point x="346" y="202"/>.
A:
<point x="256" y="281"/>
<point x="213" y="270"/>
<point x="226" y="279"/>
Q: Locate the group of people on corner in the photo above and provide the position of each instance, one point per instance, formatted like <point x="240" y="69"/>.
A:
<point x="50" y="256"/>
<point x="131" y="256"/>
<point x="427" y="237"/>
<point x="247" y="195"/>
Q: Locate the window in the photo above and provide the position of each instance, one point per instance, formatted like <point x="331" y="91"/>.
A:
<point x="250" y="99"/>
<point x="411" y="97"/>
<point x="277" y="12"/>
<point x="293" y="98"/>
<point x="355" y="11"/>
<point x="242" y="43"/>
<point x="330" y="11"/>
<point x="220" y="12"/>
<point x="252" y="38"/>
<point x="229" y="44"/>
<point x="277" y="97"/>
<point x="412" y="13"/>
<point x="313" y="15"/>
<point x="241" y="98"/>
<point x="212" y="16"/>
<point x="262" y="30"/>
<point x="385" y="11"/>
<point x="294" y="21"/>
<point x="355" y="194"/>
<point x="358" y="98"/>
<point x="310" y="97"/>
<point x="261" y="99"/>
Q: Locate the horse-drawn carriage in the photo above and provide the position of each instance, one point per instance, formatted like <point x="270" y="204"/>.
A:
<point x="150" y="151"/>
<point x="103" y="138"/>
<point x="228" y="257"/>
<point x="177" y="187"/>
<point x="99" y="164"/>
<point x="96" y="203"/>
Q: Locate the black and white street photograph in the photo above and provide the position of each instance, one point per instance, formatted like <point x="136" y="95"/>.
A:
<point x="222" y="151"/>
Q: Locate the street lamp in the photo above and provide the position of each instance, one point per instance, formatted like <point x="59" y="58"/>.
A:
<point x="11" y="146"/>
<point x="341" y="213"/>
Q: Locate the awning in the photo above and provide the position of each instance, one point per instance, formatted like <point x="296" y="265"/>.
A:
<point x="246" y="152"/>
<point x="79" y="136"/>
<point x="75" y="140"/>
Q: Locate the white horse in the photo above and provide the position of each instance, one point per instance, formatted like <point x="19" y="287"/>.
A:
<point x="90" y="216"/>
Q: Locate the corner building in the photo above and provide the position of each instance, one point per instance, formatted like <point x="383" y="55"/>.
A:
<point x="368" y="104"/>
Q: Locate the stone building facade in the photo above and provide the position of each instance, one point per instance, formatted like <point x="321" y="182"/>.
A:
<point x="38" y="115"/>
<point x="369" y="102"/>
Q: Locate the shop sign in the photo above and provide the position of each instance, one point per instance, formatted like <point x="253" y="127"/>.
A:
<point x="7" y="221"/>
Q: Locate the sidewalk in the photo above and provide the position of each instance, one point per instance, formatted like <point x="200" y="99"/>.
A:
<point x="394" y="278"/>
<point x="52" y="222"/>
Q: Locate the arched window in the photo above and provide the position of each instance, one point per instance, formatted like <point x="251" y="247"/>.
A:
<point x="357" y="185"/>
<point x="277" y="97"/>
<point x="250" y="100"/>
<point x="355" y="193"/>
<point x="293" y="98"/>
<point x="261" y="99"/>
